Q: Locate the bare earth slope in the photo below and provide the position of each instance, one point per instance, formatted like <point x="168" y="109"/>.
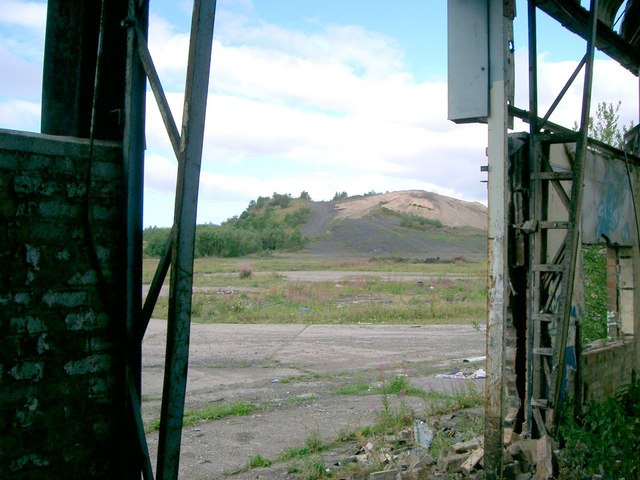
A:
<point x="450" y="211"/>
<point x="372" y="226"/>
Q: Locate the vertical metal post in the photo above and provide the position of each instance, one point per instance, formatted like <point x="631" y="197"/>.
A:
<point x="497" y="235"/>
<point x="133" y="153"/>
<point x="535" y="197"/>
<point x="179" y="315"/>
<point x="573" y="234"/>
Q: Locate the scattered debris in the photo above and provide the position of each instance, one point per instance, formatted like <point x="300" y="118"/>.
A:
<point x="458" y="374"/>
<point x="475" y="359"/>
<point x="472" y="461"/>
<point x="422" y="435"/>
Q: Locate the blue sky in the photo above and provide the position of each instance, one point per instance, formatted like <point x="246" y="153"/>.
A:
<point x="317" y="95"/>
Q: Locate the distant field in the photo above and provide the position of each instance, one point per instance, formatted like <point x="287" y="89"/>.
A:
<point x="255" y="290"/>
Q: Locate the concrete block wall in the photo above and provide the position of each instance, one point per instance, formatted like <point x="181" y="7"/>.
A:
<point x="61" y="386"/>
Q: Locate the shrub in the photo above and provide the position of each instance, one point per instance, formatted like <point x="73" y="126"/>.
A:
<point x="604" y="442"/>
<point x="418" y="222"/>
<point x="155" y="241"/>
<point x="339" y="196"/>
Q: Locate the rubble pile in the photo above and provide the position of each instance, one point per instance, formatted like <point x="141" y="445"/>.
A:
<point x="405" y="456"/>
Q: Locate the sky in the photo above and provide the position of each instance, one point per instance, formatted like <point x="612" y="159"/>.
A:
<point x="321" y="96"/>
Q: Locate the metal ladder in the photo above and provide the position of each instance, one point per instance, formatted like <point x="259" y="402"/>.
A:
<point x="553" y="243"/>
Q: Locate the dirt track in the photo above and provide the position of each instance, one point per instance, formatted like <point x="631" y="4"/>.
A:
<point x="296" y="369"/>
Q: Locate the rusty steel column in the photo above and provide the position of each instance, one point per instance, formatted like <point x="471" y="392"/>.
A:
<point x="133" y="152"/>
<point x="179" y="315"/>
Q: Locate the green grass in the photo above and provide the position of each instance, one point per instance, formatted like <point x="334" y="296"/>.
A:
<point x="312" y="444"/>
<point x="237" y="409"/>
<point x="258" y="461"/>
<point x="366" y="299"/>
<point x="302" y="262"/>
<point x="448" y="293"/>
<point x="212" y="412"/>
<point x="357" y="386"/>
<point x="467" y="395"/>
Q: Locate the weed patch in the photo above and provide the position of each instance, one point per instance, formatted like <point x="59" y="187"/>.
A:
<point x="258" y="461"/>
<point x="604" y="442"/>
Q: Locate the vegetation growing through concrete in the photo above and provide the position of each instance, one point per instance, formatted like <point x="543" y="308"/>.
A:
<point x="307" y="461"/>
<point x="212" y="412"/>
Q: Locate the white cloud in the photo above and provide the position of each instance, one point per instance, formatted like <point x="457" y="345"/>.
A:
<point x="611" y="83"/>
<point x="326" y="109"/>
<point x="20" y="115"/>
<point x="24" y="14"/>
<point x="19" y="78"/>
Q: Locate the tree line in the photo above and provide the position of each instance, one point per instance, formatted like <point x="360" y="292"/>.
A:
<point x="267" y="224"/>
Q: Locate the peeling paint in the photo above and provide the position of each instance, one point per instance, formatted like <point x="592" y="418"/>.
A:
<point x="63" y="255"/>
<point x="31" y="459"/>
<point x="98" y="387"/>
<point x="27" y="371"/>
<point x="87" y="278"/>
<point x="33" y="256"/>
<point x="28" y="413"/>
<point x="64" y="299"/>
<point x="42" y="345"/>
<point x="28" y="324"/>
<point x="90" y="364"/>
<point x="22" y="298"/>
<point x="76" y="190"/>
<point x="86" y="321"/>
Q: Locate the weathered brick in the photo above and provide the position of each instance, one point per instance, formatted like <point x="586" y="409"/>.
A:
<point x="86" y="321"/>
<point x="64" y="299"/>
<point x="31" y="371"/>
<point x="58" y="353"/>
<point x="28" y="325"/>
<point x="90" y="364"/>
<point x="62" y="211"/>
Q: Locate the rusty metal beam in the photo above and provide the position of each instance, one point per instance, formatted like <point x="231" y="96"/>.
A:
<point x="158" y="92"/>
<point x="576" y="19"/>
<point x="573" y="233"/>
<point x="179" y="316"/>
<point x="133" y="156"/>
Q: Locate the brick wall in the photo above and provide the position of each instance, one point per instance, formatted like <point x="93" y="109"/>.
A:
<point x="606" y="369"/>
<point x="60" y="270"/>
